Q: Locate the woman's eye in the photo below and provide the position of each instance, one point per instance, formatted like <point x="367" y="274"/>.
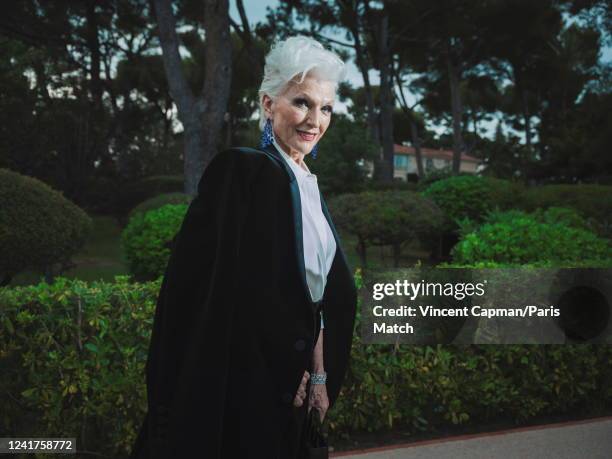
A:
<point x="300" y="102"/>
<point x="328" y="108"/>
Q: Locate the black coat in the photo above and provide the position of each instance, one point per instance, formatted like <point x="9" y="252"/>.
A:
<point x="235" y="327"/>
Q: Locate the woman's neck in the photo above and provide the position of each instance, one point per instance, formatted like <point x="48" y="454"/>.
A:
<point x="293" y="154"/>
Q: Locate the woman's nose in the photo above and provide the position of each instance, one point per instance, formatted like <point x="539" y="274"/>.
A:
<point x="314" y="118"/>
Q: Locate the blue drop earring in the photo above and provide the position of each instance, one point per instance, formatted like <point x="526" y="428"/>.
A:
<point x="267" y="136"/>
<point x="314" y="151"/>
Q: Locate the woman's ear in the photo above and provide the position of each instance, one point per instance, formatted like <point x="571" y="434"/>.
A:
<point x="266" y="102"/>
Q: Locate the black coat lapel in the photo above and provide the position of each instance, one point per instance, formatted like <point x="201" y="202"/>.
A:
<point x="297" y="217"/>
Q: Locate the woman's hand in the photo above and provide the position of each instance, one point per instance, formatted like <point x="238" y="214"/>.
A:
<point x="301" y="392"/>
<point x="318" y="399"/>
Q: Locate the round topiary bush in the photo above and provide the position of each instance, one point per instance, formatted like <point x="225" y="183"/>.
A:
<point x="160" y="201"/>
<point x="39" y="227"/>
<point x="471" y="196"/>
<point x="385" y="218"/>
<point x="520" y="238"/>
<point x="147" y="240"/>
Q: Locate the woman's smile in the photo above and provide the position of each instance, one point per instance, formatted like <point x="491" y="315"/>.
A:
<point x="306" y="136"/>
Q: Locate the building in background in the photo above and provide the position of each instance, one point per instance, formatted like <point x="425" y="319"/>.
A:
<point x="433" y="160"/>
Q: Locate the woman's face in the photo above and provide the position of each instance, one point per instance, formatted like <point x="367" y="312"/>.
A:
<point x="301" y="114"/>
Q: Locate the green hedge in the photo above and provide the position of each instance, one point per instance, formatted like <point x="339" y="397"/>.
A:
<point x="147" y="240"/>
<point x="72" y="358"/>
<point x="516" y="237"/>
<point x="386" y="218"/>
<point x="471" y="196"/>
<point x="38" y="225"/>
<point x="594" y="202"/>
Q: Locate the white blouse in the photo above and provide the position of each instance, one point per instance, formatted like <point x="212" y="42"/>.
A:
<point x="319" y="242"/>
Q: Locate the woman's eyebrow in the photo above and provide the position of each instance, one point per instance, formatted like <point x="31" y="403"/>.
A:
<point x="306" y="96"/>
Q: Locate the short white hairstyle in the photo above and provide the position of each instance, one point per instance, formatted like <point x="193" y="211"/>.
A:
<point x="294" y="56"/>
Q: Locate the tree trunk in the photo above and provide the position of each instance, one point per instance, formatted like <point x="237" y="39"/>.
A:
<point x="193" y="147"/>
<point x="527" y="120"/>
<point x="218" y="73"/>
<point x="202" y="117"/>
<point x="457" y="111"/>
<point x="416" y="142"/>
<point x="363" y="68"/>
<point x="385" y="174"/>
<point x="93" y="43"/>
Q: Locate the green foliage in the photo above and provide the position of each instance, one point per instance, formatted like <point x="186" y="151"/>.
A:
<point x="147" y="239"/>
<point x="38" y="226"/>
<point x="471" y="196"/>
<point x="337" y="165"/>
<point x="421" y="388"/>
<point x="435" y="175"/>
<point x="159" y="201"/>
<point x="385" y="217"/>
<point x="594" y="202"/>
<point x="552" y="216"/>
<point x="73" y="358"/>
<point x="516" y="237"/>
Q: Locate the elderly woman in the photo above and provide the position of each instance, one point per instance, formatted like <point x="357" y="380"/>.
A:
<point x="255" y="316"/>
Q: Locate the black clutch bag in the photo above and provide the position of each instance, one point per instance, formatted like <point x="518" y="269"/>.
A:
<point x="313" y="444"/>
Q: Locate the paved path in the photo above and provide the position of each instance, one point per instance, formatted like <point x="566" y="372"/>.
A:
<point x="588" y="439"/>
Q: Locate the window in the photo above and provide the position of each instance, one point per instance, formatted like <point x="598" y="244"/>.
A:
<point x="400" y="161"/>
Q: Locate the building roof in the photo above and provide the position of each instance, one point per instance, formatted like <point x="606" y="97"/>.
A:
<point x="432" y="153"/>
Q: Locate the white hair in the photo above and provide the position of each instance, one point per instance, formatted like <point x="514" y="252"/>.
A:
<point x="291" y="57"/>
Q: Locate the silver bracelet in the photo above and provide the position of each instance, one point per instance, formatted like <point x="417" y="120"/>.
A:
<point x="318" y="378"/>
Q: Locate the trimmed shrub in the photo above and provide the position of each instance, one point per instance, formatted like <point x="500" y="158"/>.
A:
<point x="552" y="216"/>
<point x="562" y="216"/>
<point x="385" y="218"/>
<point x="73" y="358"/>
<point x="160" y="201"/>
<point x="515" y="237"/>
<point x="593" y="202"/>
<point x="147" y="240"/>
<point x="471" y="196"/>
<point x="39" y="227"/>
